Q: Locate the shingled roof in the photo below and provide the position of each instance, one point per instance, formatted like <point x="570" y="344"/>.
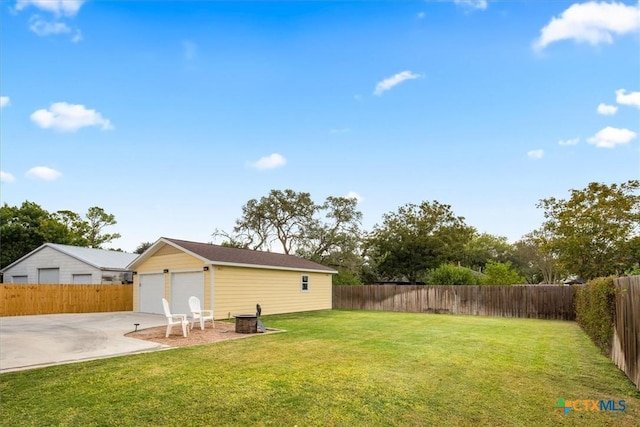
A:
<point x="222" y="255"/>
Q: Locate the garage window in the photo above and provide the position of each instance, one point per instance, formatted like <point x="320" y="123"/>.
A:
<point x="304" y="283"/>
<point x="48" y="275"/>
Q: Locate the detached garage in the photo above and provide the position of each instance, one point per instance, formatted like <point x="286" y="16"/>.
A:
<point x="229" y="280"/>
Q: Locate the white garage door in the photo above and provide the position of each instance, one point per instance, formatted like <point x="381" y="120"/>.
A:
<point x="184" y="285"/>
<point x="151" y="293"/>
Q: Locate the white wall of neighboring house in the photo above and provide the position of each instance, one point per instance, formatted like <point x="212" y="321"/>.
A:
<point x="48" y="258"/>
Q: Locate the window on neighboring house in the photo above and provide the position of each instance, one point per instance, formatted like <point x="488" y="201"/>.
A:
<point x="48" y="275"/>
<point x="19" y="279"/>
<point x="304" y="283"/>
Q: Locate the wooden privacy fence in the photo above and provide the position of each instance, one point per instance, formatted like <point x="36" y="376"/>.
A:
<point x="625" y="351"/>
<point x="528" y="301"/>
<point x="26" y="299"/>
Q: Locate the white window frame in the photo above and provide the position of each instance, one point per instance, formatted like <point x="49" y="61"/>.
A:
<point x="304" y="280"/>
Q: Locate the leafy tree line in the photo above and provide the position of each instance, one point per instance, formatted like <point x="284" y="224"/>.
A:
<point x="26" y="227"/>
<point x="593" y="233"/>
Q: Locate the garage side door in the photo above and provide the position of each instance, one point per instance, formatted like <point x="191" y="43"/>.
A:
<point x="151" y="293"/>
<point x="184" y="285"/>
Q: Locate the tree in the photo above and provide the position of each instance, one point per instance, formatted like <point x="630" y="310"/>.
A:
<point x="25" y="228"/>
<point x="97" y="219"/>
<point x="501" y="273"/>
<point x="593" y="230"/>
<point x="284" y="217"/>
<point x="417" y="238"/>
<point x="485" y="247"/>
<point x="142" y="247"/>
<point x="533" y="262"/>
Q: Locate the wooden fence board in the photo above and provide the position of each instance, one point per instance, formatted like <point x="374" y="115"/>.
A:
<point x="530" y="301"/>
<point x="625" y="351"/>
<point x="30" y="299"/>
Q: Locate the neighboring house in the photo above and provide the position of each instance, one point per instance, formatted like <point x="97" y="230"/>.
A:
<point x="229" y="280"/>
<point x="55" y="263"/>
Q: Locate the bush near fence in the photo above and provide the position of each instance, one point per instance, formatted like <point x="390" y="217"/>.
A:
<point x="29" y="299"/>
<point x="528" y="301"/>
<point x="595" y="311"/>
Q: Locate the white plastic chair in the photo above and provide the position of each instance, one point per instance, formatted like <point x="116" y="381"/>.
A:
<point x="198" y="314"/>
<point x="174" y="319"/>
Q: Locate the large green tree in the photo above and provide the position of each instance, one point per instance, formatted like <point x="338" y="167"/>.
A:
<point x="328" y="233"/>
<point x="24" y="228"/>
<point x="415" y="239"/>
<point x="594" y="229"/>
<point x="485" y="247"/>
<point x="533" y="261"/>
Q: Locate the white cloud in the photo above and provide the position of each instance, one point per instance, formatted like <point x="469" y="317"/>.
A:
<point x="610" y="137"/>
<point x="395" y="80"/>
<point x="43" y="172"/>
<point x="6" y="177"/>
<point x="473" y="4"/>
<point x="190" y="49"/>
<point x="45" y="28"/>
<point x="57" y="7"/>
<point x="69" y="117"/>
<point x="572" y="141"/>
<point x="354" y="195"/>
<point x="535" y="154"/>
<point x="421" y="15"/>
<point x="607" y="110"/>
<point x="77" y="36"/>
<point x="632" y="98"/>
<point x="4" y="101"/>
<point x="271" y="161"/>
<point x="591" y="22"/>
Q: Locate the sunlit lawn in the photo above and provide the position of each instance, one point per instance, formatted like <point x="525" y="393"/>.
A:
<point x="339" y="368"/>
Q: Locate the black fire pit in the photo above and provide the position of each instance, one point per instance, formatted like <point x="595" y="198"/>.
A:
<point x="246" y="323"/>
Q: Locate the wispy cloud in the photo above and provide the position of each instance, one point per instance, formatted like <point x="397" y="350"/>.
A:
<point x="354" y="195"/>
<point x="189" y="49"/>
<point x="631" y="98"/>
<point x="472" y="4"/>
<point x="4" y="101"/>
<point x="421" y="15"/>
<point x="535" y="154"/>
<point x="610" y="137"/>
<point x="271" y="161"/>
<point x="592" y="22"/>
<point x="607" y="110"/>
<point x="69" y="117"/>
<point x="57" y="7"/>
<point x="54" y="24"/>
<point x="393" y="81"/>
<point x="6" y="177"/>
<point x="572" y="141"/>
<point x="43" y="172"/>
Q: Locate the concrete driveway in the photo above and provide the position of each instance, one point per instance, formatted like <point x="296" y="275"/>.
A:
<point x="28" y="342"/>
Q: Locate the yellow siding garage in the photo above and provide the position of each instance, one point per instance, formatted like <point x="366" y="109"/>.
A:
<point x="238" y="290"/>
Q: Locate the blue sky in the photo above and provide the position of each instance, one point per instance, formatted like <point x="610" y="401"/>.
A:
<point x="172" y="115"/>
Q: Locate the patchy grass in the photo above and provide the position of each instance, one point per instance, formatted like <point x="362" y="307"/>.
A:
<point x="339" y="368"/>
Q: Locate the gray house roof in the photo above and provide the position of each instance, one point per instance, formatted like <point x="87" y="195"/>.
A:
<point x="98" y="258"/>
<point x="222" y="255"/>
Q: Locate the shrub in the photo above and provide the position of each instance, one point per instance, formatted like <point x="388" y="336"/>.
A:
<point x="345" y="278"/>
<point x="595" y="311"/>
<point x="448" y="274"/>
<point x="501" y="273"/>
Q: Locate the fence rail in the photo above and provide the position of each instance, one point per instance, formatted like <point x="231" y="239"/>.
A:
<point x="534" y="301"/>
<point x="625" y="351"/>
<point x="27" y="299"/>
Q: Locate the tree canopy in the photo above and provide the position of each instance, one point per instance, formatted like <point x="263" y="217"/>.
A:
<point x="593" y="233"/>
<point x="417" y="238"/>
<point x="24" y="228"/>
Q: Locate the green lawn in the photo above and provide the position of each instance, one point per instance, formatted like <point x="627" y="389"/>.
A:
<point x="339" y="368"/>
